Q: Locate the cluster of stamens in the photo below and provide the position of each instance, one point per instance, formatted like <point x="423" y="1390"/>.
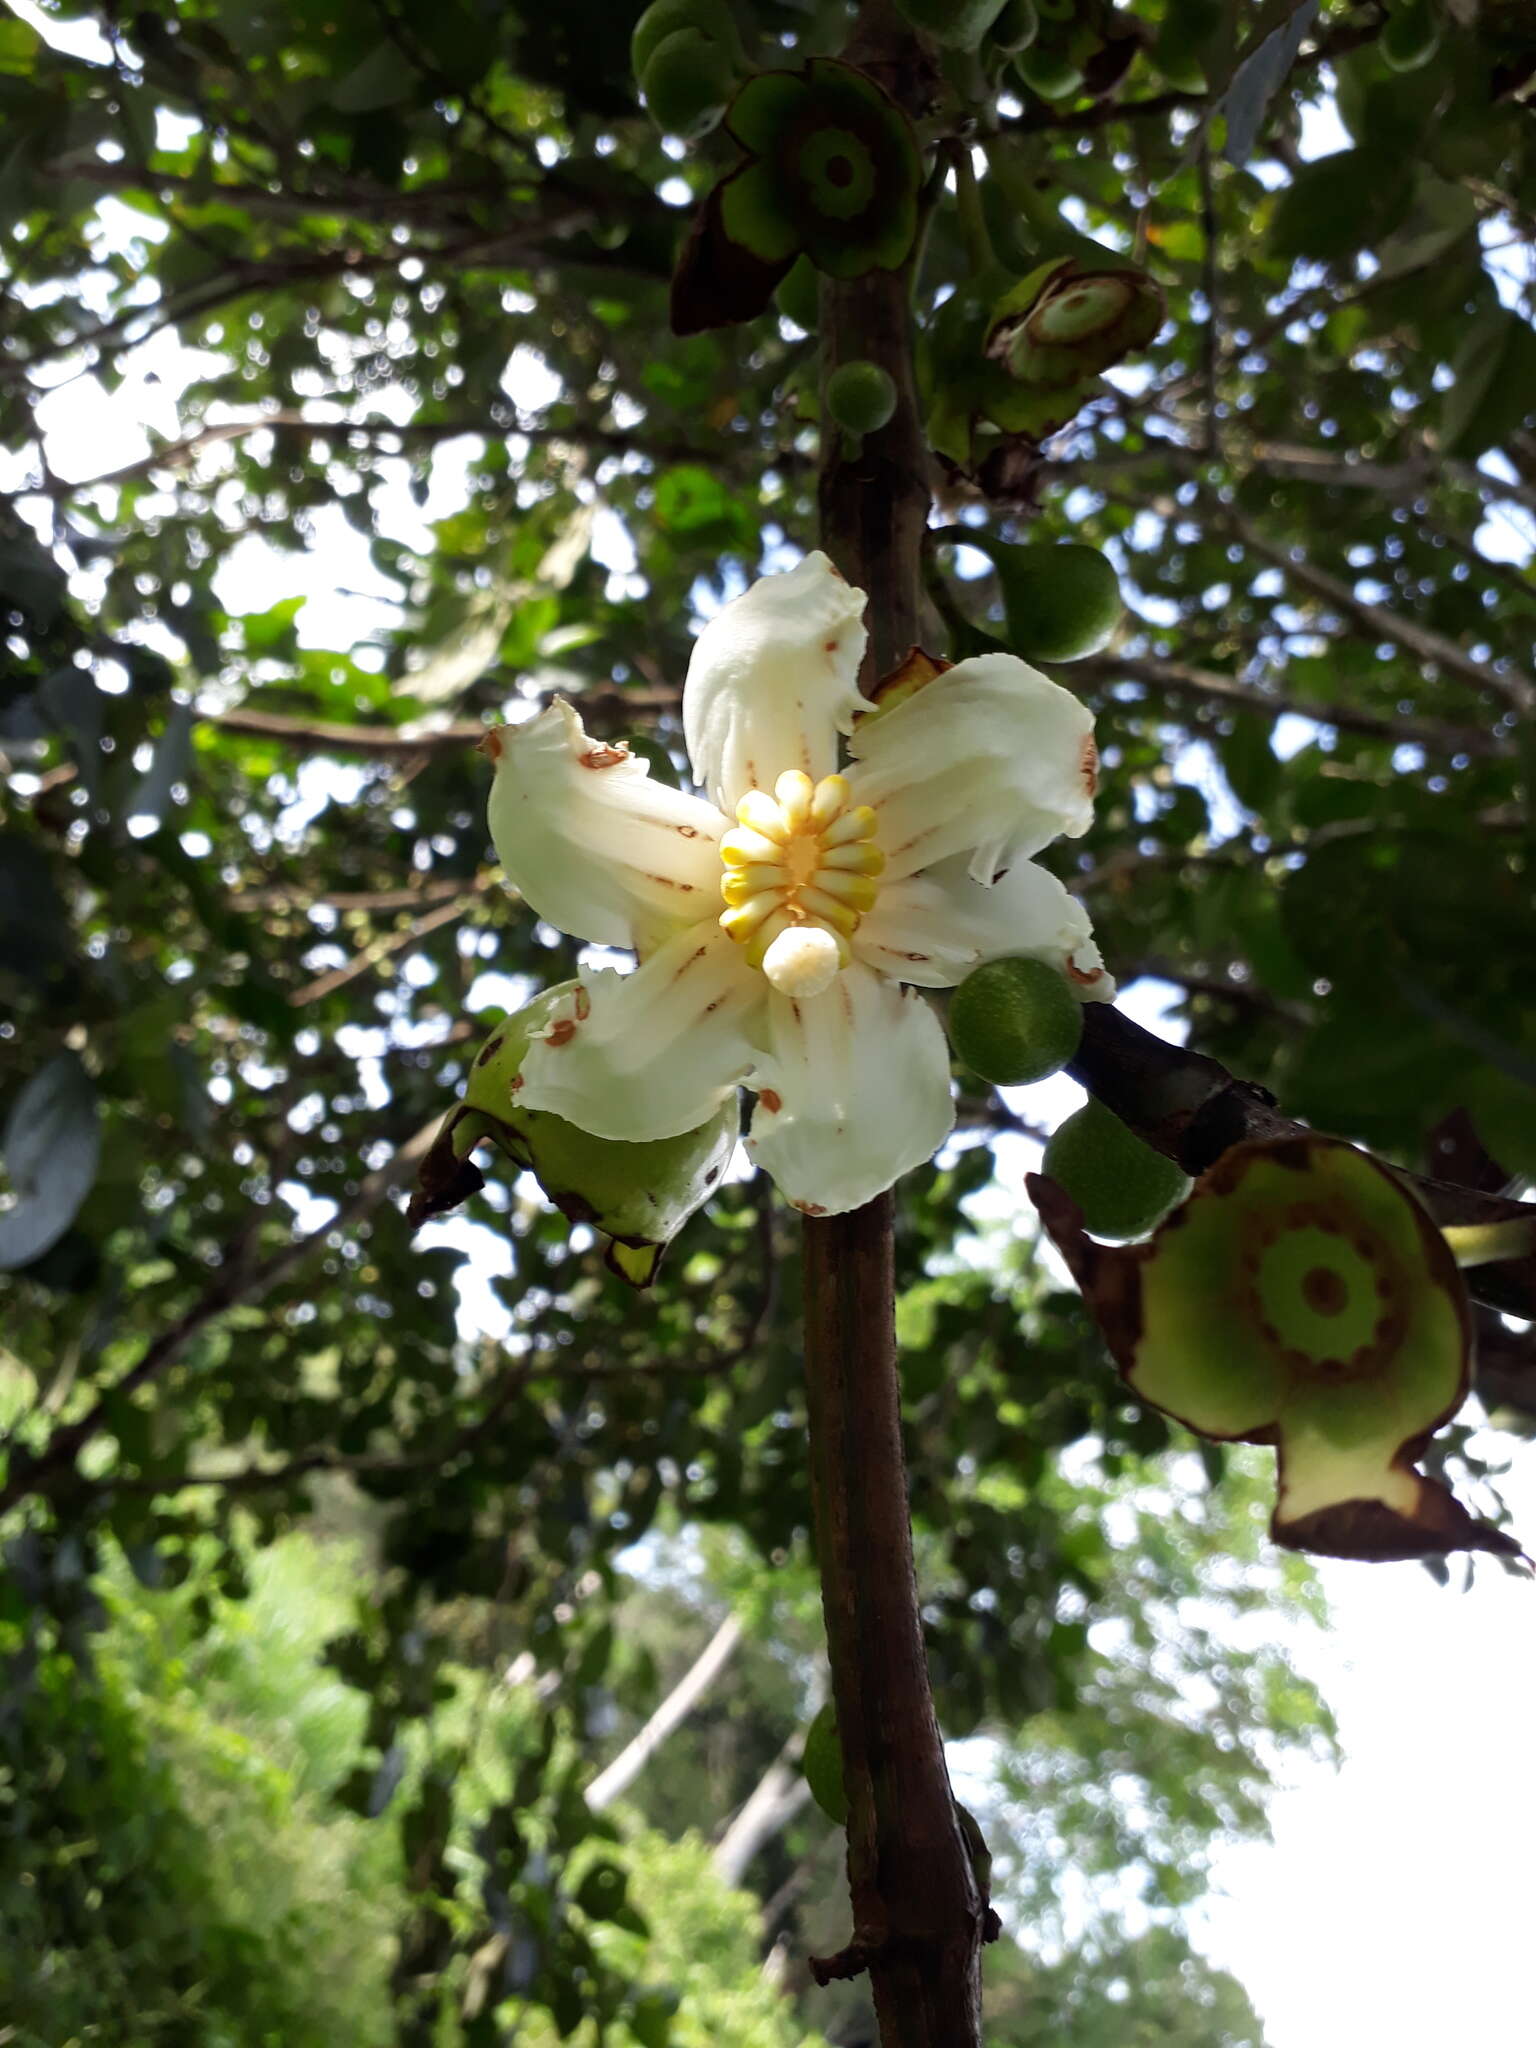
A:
<point x="800" y="871"/>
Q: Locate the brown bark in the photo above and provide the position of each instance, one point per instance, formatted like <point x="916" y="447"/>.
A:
<point x="917" y="1910"/>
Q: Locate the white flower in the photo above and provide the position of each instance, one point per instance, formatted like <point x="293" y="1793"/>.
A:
<point x="777" y="934"/>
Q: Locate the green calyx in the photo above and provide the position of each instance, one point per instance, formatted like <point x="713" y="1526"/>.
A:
<point x="637" y="1195"/>
<point x="1015" y="1021"/>
<point x="831" y="171"/>
<point x="1121" y="1186"/>
<point x="1299" y="1298"/>
<point x="1067" y="321"/>
<point x="966" y="392"/>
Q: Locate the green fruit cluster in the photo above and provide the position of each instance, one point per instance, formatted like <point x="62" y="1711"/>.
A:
<point x="1121" y="1185"/>
<point x="687" y="58"/>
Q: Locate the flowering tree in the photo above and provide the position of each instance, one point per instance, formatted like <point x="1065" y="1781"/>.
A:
<point x="854" y="266"/>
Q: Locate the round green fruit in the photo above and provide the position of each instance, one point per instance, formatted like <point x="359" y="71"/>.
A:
<point x="1122" y="1186"/>
<point x="688" y="84"/>
<point x="1015" y="1021"/>
<point x="1016" y="27"/>
<point x="1411" y="35"/>
<point x="1048" y="72"/>
<point x="1062" y="602"/>
<point x="957" y="24"/>
<point x="861" y="397"/>
<point x="667" y="17"/>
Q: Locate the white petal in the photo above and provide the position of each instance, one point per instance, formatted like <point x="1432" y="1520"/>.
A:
<point x="653" y="1053"/>
<point x="990" y="759"/>
<point x="853" y="1091"/>
<point x="773" y="681"/>
<point x="595" y="846"/>
<point x="935" y="927"/>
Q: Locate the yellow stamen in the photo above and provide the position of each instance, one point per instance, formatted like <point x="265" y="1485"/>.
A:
<point x="759" y="813"/>
<point x="825" y="909"/>
<point x="829" y="801"/>
<point x="857" y="891"/>
<point x="738" y="849"/>
<point x="799" y="861"/>
<point x="862" y="859"/>
<point x="859" y="823"/>
<point x="794" y="790"/>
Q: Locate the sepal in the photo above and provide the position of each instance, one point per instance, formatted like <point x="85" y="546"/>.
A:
<point x="638" y="1196"/>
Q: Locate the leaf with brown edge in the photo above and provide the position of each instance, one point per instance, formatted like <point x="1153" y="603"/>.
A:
<point x="1299" y="1298"/>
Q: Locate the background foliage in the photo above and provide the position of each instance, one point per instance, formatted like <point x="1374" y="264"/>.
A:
<point x="318" y="1614"/>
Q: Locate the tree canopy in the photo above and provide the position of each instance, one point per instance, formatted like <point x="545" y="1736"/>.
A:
<point x="303" y="1566"/>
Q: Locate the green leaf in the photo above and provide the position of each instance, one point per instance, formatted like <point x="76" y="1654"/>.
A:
<point x="51" y="1149"/>
<point x="1495" y="388"/>
<point x="1338" y="205"/>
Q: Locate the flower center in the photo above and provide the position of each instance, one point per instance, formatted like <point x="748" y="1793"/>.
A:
<point x="800" y="872"/>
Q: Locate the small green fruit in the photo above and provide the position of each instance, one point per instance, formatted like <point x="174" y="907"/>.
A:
<point x="822" y="1762"/>
<point x="1121" y="1185"/>
<point x="1411" y="36"/>
<point x="666" y="17"/>
<point x="1061" y="602"/>
<point x="1015" y="1021"/>
<point x="861" y="397"/>
<point x="957" y="24"/>
<point x="1016" y="27"/>
<point x="688" y="84"/>
<point x="1048" y="72"/>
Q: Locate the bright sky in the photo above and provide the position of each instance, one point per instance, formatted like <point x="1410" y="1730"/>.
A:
<point x="1392" y="1905"/>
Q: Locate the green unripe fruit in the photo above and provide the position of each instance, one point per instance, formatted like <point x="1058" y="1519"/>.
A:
<point x="861" y="397"/>
<point x="1048" y="72"/>
<point x="1061" y="603"/>
<point x="1016" y="27"/>
<point x="1121" y="1185"/>
<point x="1015" y="1021"/>
<point x="1411" y="36"/>
<point x="799" y="296"/>
<point x="688" y="84"/>
<point x="822" y="1762"/>
<point x="667" y="17"/>
<point x="957" y="24"/>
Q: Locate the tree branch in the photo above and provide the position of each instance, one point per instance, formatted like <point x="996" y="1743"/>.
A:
<point x="768" y="1809"/>
<point x="669" y="1716"/>
<point x="1182" y="679"/>
<point x="1190" y="1108"/>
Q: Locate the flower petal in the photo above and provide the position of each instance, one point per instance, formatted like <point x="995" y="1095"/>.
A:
<point x="774" y="680"/>
<point x="853" y="1091"/>
<point x="597" y="848"/>
<point x="990" y="759"/>
<point x="935" y="927"/>
<point x="653" y="1053"/>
